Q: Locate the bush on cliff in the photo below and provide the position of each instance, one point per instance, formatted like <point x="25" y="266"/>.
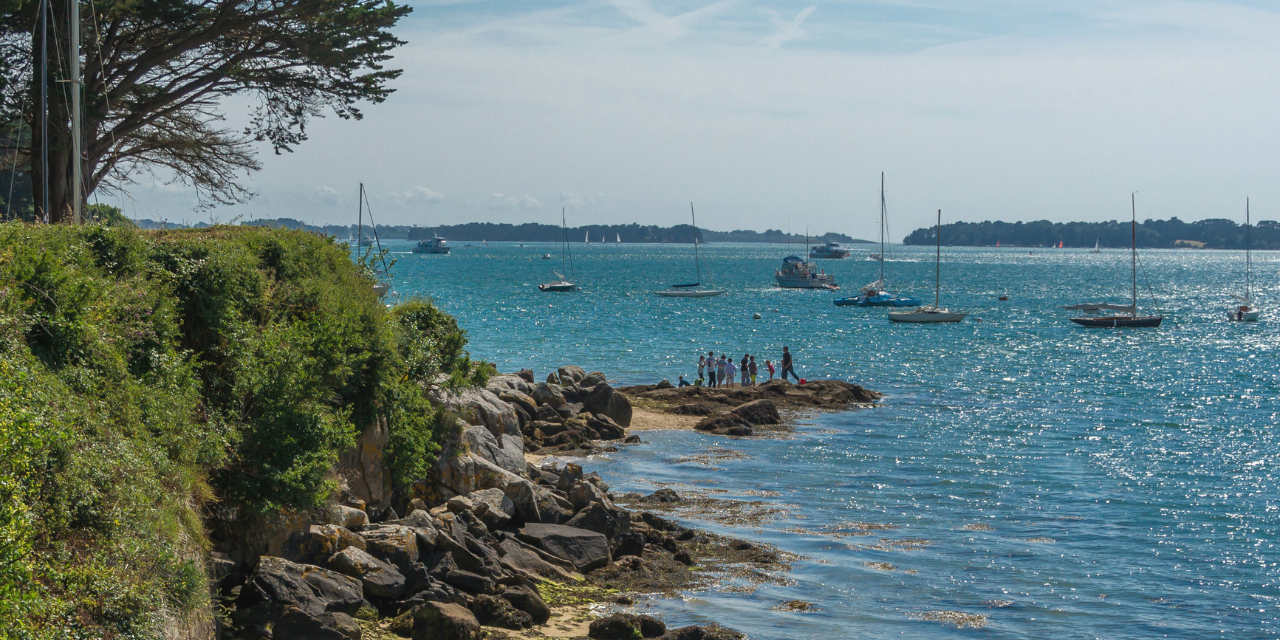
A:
<point x="150" y="379"/>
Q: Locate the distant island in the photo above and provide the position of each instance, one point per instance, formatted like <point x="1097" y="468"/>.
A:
<point x="1154" y="234"/>
<point x="534" y="232"/>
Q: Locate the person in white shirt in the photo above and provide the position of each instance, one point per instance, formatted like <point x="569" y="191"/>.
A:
<point x="729" y="371"/>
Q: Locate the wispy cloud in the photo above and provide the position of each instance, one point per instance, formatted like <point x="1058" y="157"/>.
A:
<point x="787" y="30"/>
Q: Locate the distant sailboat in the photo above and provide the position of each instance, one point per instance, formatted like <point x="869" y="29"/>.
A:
<point x="935" y="313"/>
<point x="1133" y="319"/>
<point x="565" y="253"/>
<point x="1095" y="246"/>
<point x="690" y="289"/>
<point x="1246" y="312"/>
<point x="619" y="237"/>
<point x="587" y="238"/>
<point x="874" y="295"/>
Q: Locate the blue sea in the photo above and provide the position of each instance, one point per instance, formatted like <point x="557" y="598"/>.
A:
<point x="1061" y="481"/>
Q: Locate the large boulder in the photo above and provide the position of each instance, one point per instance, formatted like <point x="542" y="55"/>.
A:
<point x="603" y="399"/>
<point x="517" y="383"/>
<point x="468" y="581"/>
<point x="625" y="626"/>
<point x="481" y="407"/>
<point x="592" y="379"/>
<point x="461" y="473"/>
<point x="527" y="600"/>
<point x="343" y="516"/>
<point x="394" y="543"/>
<point x="378" y="578"/>
<point x="547" y="393"/>
<point x="441" y="621"/>
<point x="596" y="517"/>
<point x="583" y="494"/>
<point x="586" y="550"/>
<point x="758" y="412"/>
<point x="364" y="472"/>
<point x="296" y="624"/>
<point x="708" y="632"/>
<point x="506" y="452"/>
<point x="722" y="423"/>
<point x="522" y="559"/>
<point x="319" y="542"/>
<point x="497" y="508"/>
<point x="277" y="584"/>
<point x="571" y="373"/>
<point x="605" y="427"/>
<point x="497" y="612"/>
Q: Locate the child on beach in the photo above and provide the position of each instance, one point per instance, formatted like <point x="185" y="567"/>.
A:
<point x="720" y="371"/>
<point x="729" y="370"/>
<point x="702" y="365"/>
<point x="768" y="364"/>
<point x="752" y="367"/>
<point x="744" y="366"/>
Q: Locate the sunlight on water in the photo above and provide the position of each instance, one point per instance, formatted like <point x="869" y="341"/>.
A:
<point x="1055" y="479"/>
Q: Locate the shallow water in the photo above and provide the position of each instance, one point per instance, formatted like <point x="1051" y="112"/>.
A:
<point x="1058" y="480"/>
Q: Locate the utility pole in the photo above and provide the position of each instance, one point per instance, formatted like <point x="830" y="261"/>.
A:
<point x="77" y="195"/>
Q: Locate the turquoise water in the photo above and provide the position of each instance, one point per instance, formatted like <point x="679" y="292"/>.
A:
<point x="1127" y="479"/>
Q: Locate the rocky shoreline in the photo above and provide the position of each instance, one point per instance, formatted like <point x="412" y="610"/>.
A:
<point x="495" y="546"/>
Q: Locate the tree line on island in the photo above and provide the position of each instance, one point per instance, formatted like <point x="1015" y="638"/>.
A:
<point x="1155" y="234"/>
<point x="532" y="232"/>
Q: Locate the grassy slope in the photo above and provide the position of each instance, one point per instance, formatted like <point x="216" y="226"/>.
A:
<point x="150" y="380"/>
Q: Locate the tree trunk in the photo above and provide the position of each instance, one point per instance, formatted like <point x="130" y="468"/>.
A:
<point x="58" y="179"/>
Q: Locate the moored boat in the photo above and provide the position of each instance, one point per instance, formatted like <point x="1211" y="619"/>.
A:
<point x="565" y="255"/>
<point x="435" y="245"/>
<point x="1121" y="321"/>
<point x="691" y="289"/>
<point x="795" y="273"/>
<point x="933" y="313"/>
<point x="874" y="295"/>
<point x="1246" y="312"/>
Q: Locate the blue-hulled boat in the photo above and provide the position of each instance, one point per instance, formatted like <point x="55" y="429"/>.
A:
<point x="873" y="295"/>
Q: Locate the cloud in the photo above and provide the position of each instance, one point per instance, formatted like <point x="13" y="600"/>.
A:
<point x="655" y="23"/>
<point x="327" y="195"/>
<point x="424" y="194"/>
<point x="787" y="30"/>
<point x="500" y="201"/>
<point x="529" y="203"/>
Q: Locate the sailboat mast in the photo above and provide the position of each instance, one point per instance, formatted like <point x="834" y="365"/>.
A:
<point x="697" y="261"/>
<point x="76" y="196"/>
<point x="937" y="264"/>
<point x="1248" y="266"/>
<point x="882" y="219"/>
<point x="1133" y="228"/>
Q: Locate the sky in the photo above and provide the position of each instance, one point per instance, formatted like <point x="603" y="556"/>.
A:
<point x="779" y="114"/>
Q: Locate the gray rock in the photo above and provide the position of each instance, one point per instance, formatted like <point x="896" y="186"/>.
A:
<point x="570" y="475"/>
<point x="505" y="451"/>
<point x="592" y="379"/>
<point x="569" y="409"/>
<point x="499" y="510"/>
<point x="522" y="559"/>
<point x="296" y="624"/>
<point x="523" y="496"/>
<point x="396" y="544"/>
<point x="758" y="412"/>
<point x="526" y="375"/>
<point x="517" y="383"/>
<point x="442" y="621"/>
<point x="497" y="612"/>
<point x="586" y="550"/>
<point x="276" y="584"/>
<point x="603" y="399"/>
<point x="595" y="517"/>
<point x="583" y="494"/>
<point x="625" y="626"/>
<point x="708" y="632"/>
<point x="527" y="600"/>
<point x="468" y="581"/>
<point x="545" y="416"/>
<point x="459" y="503"/>
<point x="628" y="544"/>
<point x="344" y="516"/>
<point x="462" y="473"/>
<point x="571" y="373"/>
<point x="552" y="378"/>
<point x="546" y="393"/>
<point x="378" y="578"/>
<point x="605" y="427"/>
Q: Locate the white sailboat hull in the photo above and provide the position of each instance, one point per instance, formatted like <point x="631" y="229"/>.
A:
<point x="1240" y="315"/>
<point x="690" y="293"/>
<point x="926" y="315"/>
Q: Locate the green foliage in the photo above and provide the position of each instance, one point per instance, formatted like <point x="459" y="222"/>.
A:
<point x="1157" y="234"/>
<point x="107" y="215"/>
<point x="147" y="377"/>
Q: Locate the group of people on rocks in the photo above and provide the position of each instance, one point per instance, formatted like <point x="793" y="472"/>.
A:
<point x="721" y="371"/>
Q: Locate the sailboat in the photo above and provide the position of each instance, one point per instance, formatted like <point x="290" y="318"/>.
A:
<point x="586" y="239"/>
<point x="690" y="289"/>
<point x="1095" y="246"/>
<point x="562" y="285"/>
<point x="873" y="295"/>
<point x="1246" y="312"/>
<point x="619" y="238"/>
<point x="934" y="313"/>
<point x="1133" y="319"/>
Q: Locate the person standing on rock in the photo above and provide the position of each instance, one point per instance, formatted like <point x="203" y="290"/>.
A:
<point x="729" y="370"/>
<point x="768" y="364"/>
<point x="702" y="365"/>
<point x="752" y="366"/>
<point x="788" y="366"/>
<point x="743" y="368"/>
<point x="720" y="371"/>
